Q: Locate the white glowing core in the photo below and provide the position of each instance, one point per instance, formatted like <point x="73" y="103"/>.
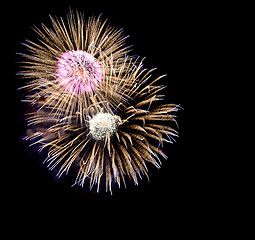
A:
<point x="101" y="125"/>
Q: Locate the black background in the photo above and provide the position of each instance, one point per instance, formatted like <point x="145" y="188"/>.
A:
<point x="167" y="34"/>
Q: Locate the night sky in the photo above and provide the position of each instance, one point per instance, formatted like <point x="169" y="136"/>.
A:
<point x="166" y="34"/>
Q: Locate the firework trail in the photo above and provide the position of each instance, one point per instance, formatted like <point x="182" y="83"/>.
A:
<point x="97" y="108"/>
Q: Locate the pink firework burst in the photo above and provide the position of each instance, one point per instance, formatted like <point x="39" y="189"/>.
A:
<point x="79" y="72"/>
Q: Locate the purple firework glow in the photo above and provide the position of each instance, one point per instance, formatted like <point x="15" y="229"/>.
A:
<point x="79" y="72"/>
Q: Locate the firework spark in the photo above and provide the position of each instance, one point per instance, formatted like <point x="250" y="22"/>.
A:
<point x="102" y="125"/>
<point x="79" y="72"/>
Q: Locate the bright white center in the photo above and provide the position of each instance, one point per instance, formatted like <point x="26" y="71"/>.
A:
<point x="102" y="124"/>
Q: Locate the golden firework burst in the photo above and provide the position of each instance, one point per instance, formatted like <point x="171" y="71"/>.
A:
<point x="113" y="142"/>
<point x="74" y="61"/>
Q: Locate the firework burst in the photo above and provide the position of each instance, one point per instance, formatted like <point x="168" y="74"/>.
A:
<point x="74" y="61"/>
<point x="99" y="112"/>
<point x="111" y="142"/>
